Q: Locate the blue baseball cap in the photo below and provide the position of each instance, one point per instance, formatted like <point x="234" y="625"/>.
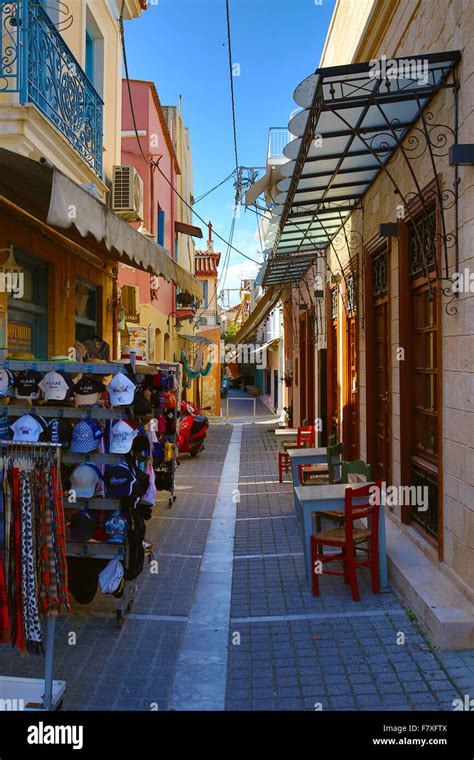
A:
<point x="86" y="436"/>
<point x="119" y="480"/>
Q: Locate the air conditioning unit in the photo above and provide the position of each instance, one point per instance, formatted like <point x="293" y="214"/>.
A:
<point x="127" y="193"/>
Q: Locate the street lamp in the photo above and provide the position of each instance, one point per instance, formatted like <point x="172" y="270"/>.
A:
<point x="178" y="324"/>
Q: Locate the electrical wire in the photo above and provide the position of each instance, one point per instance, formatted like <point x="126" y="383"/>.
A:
<point x="229" y="50"/>
<point x="155" y="164"/>
<point x="204" y="195"/>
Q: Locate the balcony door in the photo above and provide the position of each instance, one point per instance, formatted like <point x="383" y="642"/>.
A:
<point x="351" y="379"/>
<point x="332" y="364"/>
<point x="420" y="377"/>
<point x="378" y="363"/>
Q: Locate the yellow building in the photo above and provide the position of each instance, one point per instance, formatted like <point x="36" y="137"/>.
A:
<point x="60" y="116"/>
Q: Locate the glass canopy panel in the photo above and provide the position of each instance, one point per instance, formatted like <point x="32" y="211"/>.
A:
<point x="287" y="170"/>
<point x="292" y="149"/>
<point x="320" y="165"/>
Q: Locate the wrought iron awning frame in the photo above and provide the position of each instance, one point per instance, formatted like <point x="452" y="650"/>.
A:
<point x="401" y="138"/>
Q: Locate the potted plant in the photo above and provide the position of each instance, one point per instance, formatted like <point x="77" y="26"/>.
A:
<point x="184" y="299"/>
<point x="288" y="378"/>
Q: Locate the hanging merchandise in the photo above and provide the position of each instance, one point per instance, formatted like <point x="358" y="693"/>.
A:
<point x="164" y="386"/>
<point x="197" y="370"/>
<point x="33" y="570"/>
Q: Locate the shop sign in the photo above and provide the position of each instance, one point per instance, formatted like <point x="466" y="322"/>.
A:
<point x="20" y="337"/>
<point x="138" y="339"/>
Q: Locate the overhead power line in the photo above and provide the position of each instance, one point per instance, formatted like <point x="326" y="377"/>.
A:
<point x="155" y="164"/>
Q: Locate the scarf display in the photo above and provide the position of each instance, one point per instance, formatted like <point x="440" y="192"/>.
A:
<point x="33" y="566"/>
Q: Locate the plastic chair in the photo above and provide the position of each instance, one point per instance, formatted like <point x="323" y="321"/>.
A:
<point x="347" y="538"/>
<point x="305" y="439"/>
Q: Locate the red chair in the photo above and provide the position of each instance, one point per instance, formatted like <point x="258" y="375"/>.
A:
<point x="305" y="439"/>
<point x="347" y="538"/>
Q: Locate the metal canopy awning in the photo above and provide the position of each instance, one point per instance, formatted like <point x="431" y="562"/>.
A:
<point x="288" y="269"/>
<point x="354" y="118"/>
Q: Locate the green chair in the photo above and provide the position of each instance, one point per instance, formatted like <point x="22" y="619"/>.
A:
<point x="357" y="467"/>
<point x="335" y="460"/>
<point x="318" y="474"/>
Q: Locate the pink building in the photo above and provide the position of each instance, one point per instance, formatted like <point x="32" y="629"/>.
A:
<point x="152" y="305"/>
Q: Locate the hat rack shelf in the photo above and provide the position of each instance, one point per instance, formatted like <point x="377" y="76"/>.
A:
<point x="98" y="550"/>
<point x="48" y="693"/>
<point x="69" y="412"/>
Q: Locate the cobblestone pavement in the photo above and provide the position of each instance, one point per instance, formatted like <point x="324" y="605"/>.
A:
<point x="292" y="651"/>
<point x="298" y="652"/>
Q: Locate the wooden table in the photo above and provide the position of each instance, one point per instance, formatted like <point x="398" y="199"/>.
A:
<point x="304" y="456"/>
<point x="311" y="499"/>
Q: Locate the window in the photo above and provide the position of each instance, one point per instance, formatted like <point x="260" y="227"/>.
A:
<point x="27" y="316"/>
<point x="160" y="237"/>
<point x="205" y="293"/>
<point x="90" y="55"/>
<point x="94" y="53"/>
<point x="86" y="310"/>
<point x="52" y="9"/>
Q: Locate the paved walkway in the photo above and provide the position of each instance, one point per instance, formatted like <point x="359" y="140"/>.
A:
<point x="217" y="629"/>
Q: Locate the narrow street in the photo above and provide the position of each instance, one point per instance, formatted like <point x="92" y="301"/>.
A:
<point x="219" y="630"/>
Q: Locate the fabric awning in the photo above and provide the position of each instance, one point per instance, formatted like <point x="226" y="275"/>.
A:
<point x="266" y="345"/>
<point x="47" y="195"/>
<point x="130" y="247"/>
<point x="353" y="119"/>
<point x="268" y="302"/>
<point x="195" y="339"/>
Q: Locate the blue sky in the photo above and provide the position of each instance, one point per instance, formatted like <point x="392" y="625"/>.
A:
<point x="182" y="46"/>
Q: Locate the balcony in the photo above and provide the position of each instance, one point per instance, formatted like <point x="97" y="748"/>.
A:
<point x="278" y="137"/>
<point x="36" y="63"/>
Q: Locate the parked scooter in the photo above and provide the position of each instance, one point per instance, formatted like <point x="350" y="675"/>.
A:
<point x="225" y="385"/>
<point x="192" y="429"/>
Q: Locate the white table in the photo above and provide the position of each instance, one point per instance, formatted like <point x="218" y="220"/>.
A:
<point x="305" y="456"/>
<point x="311" y="499"/>
<point x="286" y="434"/>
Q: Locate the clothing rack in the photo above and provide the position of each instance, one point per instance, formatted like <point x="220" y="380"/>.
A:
<point x="41" y="694"/>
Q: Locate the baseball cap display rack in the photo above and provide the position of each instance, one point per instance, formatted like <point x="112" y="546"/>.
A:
<point x="48" y="694"/>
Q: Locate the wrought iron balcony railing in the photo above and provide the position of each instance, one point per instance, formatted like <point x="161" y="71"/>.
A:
<point x="36" y="63"/>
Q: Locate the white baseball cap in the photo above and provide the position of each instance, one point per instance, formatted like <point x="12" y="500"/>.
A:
<point x="56" y="386"/>
<point x="28" y="428"/>
<point x="121" y="390"/>
<point x="111" y="576"/>
<point x="84" y="480"/>
<point x="121" y="437"/>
